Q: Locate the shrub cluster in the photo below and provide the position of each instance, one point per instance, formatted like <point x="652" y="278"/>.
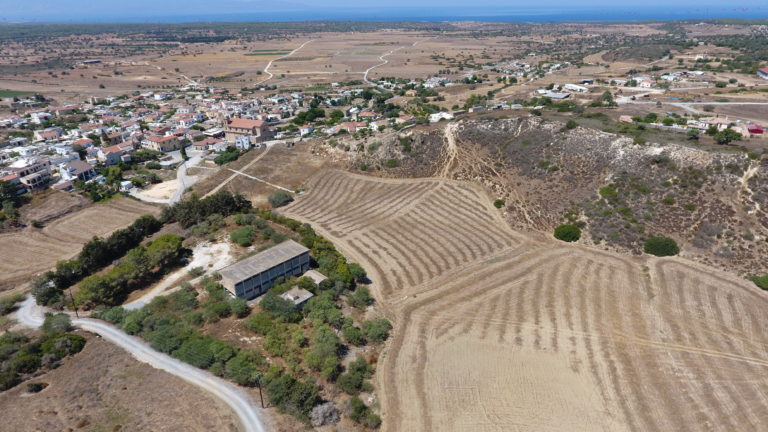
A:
<point x="95" y="254"/>
<point x="661" y="246"/>
<point x="171" y="325"/>
<point x="22" y="356"/>
<point x="195" y="210"/>
<point x="568" y="233"/>
<point x="140" y="265"/>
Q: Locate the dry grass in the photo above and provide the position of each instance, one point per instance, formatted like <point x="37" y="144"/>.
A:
<point x="497" y="331"/>
<point x="32" y="251"/>
<point x="104" y="389"/>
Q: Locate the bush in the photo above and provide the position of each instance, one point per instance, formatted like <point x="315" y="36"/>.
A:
<point x="353" y="335"/>
<point x="63" y="345"/>
<point x="279" y="199"/>
<point x="392" y="163"/>
<point x="360" y="298"/>
<point x="8" y="304"/>
<point x="242" y="368"/>
<point x="261" y="323"/>
<point x="352" y="381"/>
<point x="760" y="281"/>
<point x="377" y="330"/>
<point x="568" y="233"/>
<point x="57" y="323"/>
<point x="196" y="351"/>
<point x="661" y="246"/>
<point x="293" y="396"/>
<point x="239" y="307"/>
<point x="243" y="236"/>
<point x="571" y="124"/>
<point x="8" y="380"/>
<point x="36" y="387"/>
<point x="362" y="414"/>
<point x="499" y="203"/>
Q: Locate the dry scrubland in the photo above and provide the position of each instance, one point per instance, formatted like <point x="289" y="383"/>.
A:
<point x="105" y="389"/>
<point x="496" y="331"/>
<point x="34" y="250"/>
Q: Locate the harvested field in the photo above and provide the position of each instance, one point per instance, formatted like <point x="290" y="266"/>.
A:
<point x="35" y="250"/>
<point x="399" y="226"/>
<point x="51" y="205"/>
<point x="495" y="331"/>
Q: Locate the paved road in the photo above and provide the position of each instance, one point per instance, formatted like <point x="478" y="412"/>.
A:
<point x="241" y="403"/>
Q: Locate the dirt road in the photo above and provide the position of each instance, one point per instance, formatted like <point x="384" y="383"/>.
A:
<point x="31" y="315"/>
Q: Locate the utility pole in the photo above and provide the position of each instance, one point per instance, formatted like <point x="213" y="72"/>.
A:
<point x="74" y="306"/>
<point x="260" y="395"/>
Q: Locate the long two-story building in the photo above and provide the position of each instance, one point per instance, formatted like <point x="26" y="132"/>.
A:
<point x="254" y="275"/>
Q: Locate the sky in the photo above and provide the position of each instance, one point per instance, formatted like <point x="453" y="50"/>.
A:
<point x="277" y="10"/>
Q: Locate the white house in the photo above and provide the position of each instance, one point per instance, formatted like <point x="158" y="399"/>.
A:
<point x="576" y="88"/>
<point x="436" y="117"/>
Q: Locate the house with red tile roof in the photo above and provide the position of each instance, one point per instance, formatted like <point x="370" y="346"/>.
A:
<point x="236" y="127"/>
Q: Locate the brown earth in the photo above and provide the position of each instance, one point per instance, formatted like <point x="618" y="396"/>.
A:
<point x="104" y="389"/>
<point x="52" y="204"/>
<point x="33" y="250"/>
<point x="496" y="330"/>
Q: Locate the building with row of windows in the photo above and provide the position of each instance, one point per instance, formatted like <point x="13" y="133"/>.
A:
<point x="255" y="275"/>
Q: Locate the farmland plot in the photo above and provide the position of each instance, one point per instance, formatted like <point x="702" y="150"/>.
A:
<point x="496" y="331"/>
<point x="33" y="251"/>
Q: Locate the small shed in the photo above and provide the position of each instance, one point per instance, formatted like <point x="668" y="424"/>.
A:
<point x="316" y="276"/>
<point x="297" y="295"/>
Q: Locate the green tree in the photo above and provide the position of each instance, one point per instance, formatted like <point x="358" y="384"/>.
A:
<point x="568" y="233"/>
<point x="661" y="246"/>
<point x="726" y="136"/>
<point x="323" y="354"/>
<point x="113" y="174"/>
<point x="279" y="199"/>
<point x="377" y="330"/>
<point x="242" y="368"/>
<point x="9" y="192"/>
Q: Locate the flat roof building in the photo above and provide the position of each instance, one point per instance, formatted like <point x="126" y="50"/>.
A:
<point x="297" y="296"/>
<point x="254" y="275"/>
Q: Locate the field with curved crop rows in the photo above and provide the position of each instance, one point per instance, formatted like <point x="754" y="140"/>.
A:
<point x="496" y="331"/>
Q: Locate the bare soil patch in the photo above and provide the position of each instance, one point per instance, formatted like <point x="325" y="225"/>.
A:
<point x="104" y="389"/>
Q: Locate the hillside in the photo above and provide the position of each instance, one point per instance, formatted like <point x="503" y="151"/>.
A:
<point x="712" y="201"/>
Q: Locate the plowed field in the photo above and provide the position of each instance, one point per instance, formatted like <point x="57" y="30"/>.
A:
<point x="495" y="331"/>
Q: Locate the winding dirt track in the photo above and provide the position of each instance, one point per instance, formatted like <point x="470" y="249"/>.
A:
<point x="496" y="331"/>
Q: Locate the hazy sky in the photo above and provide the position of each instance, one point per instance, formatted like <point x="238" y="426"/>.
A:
<point x="99" y="10"/>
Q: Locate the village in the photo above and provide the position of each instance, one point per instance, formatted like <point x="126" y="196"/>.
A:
<point x="65" y="147"/>
<point x="382" y="228"/>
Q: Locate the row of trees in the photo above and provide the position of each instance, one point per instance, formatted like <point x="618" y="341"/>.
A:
<point x="139" y="266"/>
<point x="195" y="210"/>
<point x="94" y="255"/>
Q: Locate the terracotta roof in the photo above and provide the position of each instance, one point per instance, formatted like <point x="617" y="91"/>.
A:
<point x="245" y="123"/>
